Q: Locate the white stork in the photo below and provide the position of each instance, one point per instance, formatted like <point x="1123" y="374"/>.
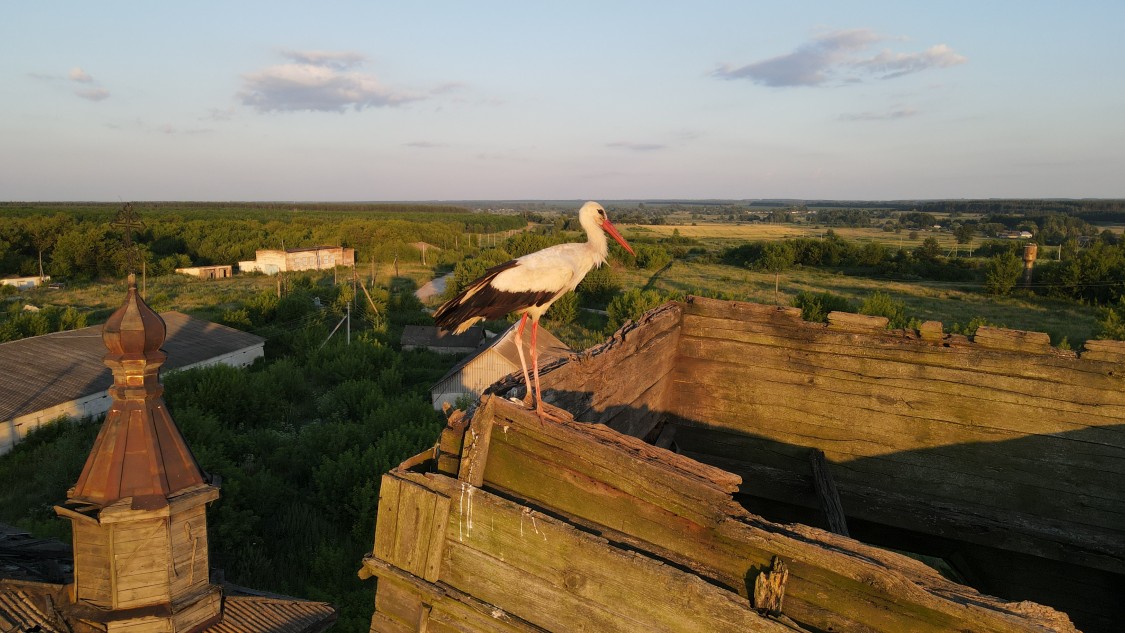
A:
<point x="530" y="284"/>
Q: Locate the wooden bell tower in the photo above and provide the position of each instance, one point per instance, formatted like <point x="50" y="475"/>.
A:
<point x="138" y="509"/>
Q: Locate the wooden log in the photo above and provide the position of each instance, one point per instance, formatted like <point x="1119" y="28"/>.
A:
<point x="1104" y="350"/>
<point x="825" y="593"/>
<point x="862" y="323"/>
<point x="932" y="331"/>
<point x="1012" y="340"/>
<point x="1056" y="366"/>
<point x="827" y="493"/>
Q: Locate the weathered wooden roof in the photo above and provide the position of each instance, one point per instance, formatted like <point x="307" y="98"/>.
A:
<point x="517" y="524"/>
<point x="436" y="338"/>
<point x="550" y="349"/>
<point x="35" y="607"/>
<point x="47" y="370"/>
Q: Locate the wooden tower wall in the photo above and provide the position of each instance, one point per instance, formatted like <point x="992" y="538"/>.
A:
<point x="1003" y="441"/>
<point x="564" y="526"/>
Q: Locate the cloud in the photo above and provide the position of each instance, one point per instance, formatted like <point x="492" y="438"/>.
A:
<point x="426" y="144"/>
<point x="93" y="94"/>
<point x="637" y="147"/>
<point x="900" y="113"/>
<point x="838" y="56"/>
<point x="320" y="82"/>
<point x="79" y="75"/>
<point x="899" y="64"/>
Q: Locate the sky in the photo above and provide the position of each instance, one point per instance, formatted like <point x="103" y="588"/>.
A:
<point x="381" y="101"/>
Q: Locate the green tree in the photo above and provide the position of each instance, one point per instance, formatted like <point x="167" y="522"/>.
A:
<point x="929" y="251"/>
<point x="1003" y="273"/>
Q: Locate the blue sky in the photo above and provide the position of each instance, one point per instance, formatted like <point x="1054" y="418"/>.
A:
<point x="345" y="101"/>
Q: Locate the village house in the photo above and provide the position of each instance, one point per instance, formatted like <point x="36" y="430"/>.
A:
<point x="62" y="373"/>
<point x="207" y="272"/>
<point x="488" y="364"/>
<point x="24" y="283"/>
<point x="441" y="341"/>
<point x="273" y="261"/>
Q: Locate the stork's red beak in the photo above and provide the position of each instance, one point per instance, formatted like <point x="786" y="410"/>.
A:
<point x="612" y="230"/>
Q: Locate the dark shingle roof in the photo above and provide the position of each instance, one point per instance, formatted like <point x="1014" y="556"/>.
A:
<point x="47" y="370"/>
<point x="436" y="338"/>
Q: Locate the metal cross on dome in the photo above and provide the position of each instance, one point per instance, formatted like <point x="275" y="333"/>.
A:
<point x="128" y="220"/>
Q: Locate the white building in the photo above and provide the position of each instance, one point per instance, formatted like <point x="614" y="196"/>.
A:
<point x="24" y="283"/>
<point x="49" y="376"/>
<point x="273" y="261"/>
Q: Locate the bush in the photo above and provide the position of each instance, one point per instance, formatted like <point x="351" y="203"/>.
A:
<point x="564" y="309"/>
<point x="815" y="306"/>
<point x="882" y="304"/>
<point x="631" y="305"/>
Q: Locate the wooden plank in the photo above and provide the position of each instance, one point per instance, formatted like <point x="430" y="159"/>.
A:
<point x="958" y="520"/>
<point x="131" y="532"/>
<point x="477" y="439"/>
<point x="971" y="411"/>
<point x="1084" y="383"/>
<point x="600" y="588"/>
<point x="1013" y="472"/>
<point x="904" y="390"/>
<point x="617" y="461"/>
<point x="639" y="417"/>
<point x="451" y="609"/>
<point x="1104" y="350"/>
<point x="953" y="487"/>
<point x="644" y="352"/>
<point x="849" y="322"/>
<point x="858" y="590"/>
<point x="826" y="491"/>
<point x="386" y="520"/>
<point x="141" y="596"/>
<point x="1055" y="367"/>
<point x="765" y="408"/>
<point x="1012" y="340"/>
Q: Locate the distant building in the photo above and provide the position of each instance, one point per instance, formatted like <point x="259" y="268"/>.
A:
<point x="1015" y="235"/>
<point x="473" y="375"/>
<point x="441" y="341"/>
<point x="62" y="373"/>
<point x="24" y="283"/>
<point x="273" y="261"/>
<point x="207" y="272"/>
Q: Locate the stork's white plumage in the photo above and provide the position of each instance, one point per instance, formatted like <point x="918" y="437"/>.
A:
<point x="530" y="284"/>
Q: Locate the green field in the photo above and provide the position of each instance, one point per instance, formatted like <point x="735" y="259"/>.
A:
<point x="950" y="303"/>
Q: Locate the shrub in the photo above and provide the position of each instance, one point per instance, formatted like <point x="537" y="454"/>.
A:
<point x="815" y="306"/>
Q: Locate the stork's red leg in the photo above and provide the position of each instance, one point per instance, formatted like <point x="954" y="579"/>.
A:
<point x="523" y="362"/>
<point x="535" y="363"/>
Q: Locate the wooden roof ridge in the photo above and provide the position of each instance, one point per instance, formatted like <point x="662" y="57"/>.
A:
<point x="139" y="452"/>
<point x="516" y="516"/>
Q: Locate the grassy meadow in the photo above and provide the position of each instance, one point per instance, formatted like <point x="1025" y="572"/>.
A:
<point x="951" y="303"/>
<point x="725" y="234"/>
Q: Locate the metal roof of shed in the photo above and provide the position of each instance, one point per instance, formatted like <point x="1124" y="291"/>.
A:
<point x="43" y="371"/>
